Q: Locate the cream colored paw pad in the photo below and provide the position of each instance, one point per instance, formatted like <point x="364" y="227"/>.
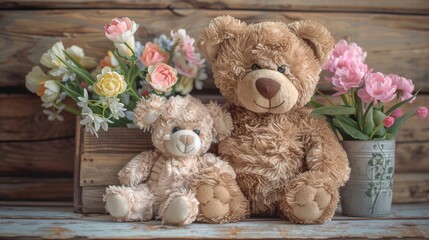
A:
<point x="117" y="206"/>
<point x="214" y="201"/>
<point x="311" y="203"/>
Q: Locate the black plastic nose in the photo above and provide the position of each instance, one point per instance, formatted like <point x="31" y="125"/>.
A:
<point x="267" y="87"/>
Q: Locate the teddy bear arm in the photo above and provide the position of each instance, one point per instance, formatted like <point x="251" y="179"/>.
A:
<point x="137" y="170"/>
<point x="209" y="162"/>
<point x="325" y="153"/>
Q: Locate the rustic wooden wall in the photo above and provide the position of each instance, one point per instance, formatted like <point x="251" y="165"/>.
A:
<point x="36" y="156"/>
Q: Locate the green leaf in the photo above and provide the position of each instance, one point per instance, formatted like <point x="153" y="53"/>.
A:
<point x="334" y="110"/>
<point x="82" y="73"/>
<point x="347" y="120"/>
<point x="315" y="104"/>
<point x="378" y="120"/>
<point x="393" y="130"/>
<point x="359" y="113"/>
<point x="369" y="122"/>
<point x="123" y="66"/>
<point x="350" y="130"/>
<point x="74" y="95"/>
<point x="399" y="104"/>
<point x="73" y="60"/>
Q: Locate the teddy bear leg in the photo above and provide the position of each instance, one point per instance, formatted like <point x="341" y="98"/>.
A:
<point x="129" y="204"/>
<point x="179" y="209"/>
<point x="311" y="197"/>
<point x="221" y="200"/>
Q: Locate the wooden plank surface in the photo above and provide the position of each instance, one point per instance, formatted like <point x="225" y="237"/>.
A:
<point x="101" y="169"/>
<point x="24" y="222"/>
<point x="22" y="119"/>
<point x="53" y="158"/>
<point x="36" y="189"/>
<point x="60" y="210"/>
<point x="393" y="6"/>
<point x="395" y="43"/>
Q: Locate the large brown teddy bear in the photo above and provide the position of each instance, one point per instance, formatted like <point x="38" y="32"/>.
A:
<point x="288" y="164"/>
<point x="178" y="182"/>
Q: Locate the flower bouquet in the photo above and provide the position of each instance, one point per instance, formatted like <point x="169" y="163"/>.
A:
<point x="362" y="113"/>
<point x="106" y="92"/>
<point x="367" y="126"/>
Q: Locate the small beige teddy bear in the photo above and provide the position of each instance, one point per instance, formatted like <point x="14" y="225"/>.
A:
<point x="178" y="182"/>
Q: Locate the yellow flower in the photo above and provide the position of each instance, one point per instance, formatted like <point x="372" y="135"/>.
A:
<point x="109" y="83"/>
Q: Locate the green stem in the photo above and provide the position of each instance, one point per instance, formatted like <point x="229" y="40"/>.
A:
<point x="134" y="93"/>
<point x="71" y="109"/>
<point x="345" y="99"/>
<point x="324" y="96"/>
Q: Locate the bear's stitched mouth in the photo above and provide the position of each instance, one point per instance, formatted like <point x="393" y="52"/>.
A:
<point x="270" y="107"/>
<point x="185" y="152"/>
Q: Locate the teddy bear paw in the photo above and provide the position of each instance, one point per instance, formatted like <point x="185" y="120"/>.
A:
<point x="177" y="211"/>
<point x="214" y="201"/>
<point x="311" y="203"/>
<point x="117" y="206"/>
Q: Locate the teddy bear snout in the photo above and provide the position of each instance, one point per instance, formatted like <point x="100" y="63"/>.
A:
<point x="267" y="87"/>
<point x="186" y="139"/>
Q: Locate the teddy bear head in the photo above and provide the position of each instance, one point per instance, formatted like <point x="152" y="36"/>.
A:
<point x="269" y="67"/>
<point x="182" y="126"/>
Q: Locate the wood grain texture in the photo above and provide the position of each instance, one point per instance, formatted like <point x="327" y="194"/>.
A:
<point x="36" y="189"/>
<point x="22" y="119"/>
<point x="395" y="43"/>
<point x="394" y="6"/>
<point x="117" y="140"/>
<point x="51" y="158"/>
<point x="102" y="169"/>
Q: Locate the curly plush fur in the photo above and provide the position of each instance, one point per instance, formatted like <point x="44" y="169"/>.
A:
<point x="178" y="182"/>
<point x="287" y="163"/>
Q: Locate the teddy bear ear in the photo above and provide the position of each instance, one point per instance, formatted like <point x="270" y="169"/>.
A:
<point x="316" y="36"/>
<point x="222" y="121"/>
<point x="218" y="30"/>
<point x="148" y="111"/>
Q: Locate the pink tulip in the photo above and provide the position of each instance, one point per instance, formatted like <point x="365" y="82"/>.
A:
<point x="161" y="77"/>
<point x="120" y="30"/>
<point x="377" y="88"/>
<point x="388" y="121"/>
<point x="152" y="54"/>
<point x="397" y="113"/>
<point x="405" y="87"/>
<point x="422" y="112"/>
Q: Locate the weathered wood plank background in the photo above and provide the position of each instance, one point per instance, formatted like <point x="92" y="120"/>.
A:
<point x="36" y="156"/>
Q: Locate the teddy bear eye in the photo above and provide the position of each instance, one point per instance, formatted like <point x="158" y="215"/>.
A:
<point x="255" y="67"/>
<point x="281" y="68"/>
<point x="175" y="129"/>
<point x="197" y="131"/>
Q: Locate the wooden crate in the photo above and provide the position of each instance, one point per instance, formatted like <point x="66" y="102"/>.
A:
<point x="98" y="161"/>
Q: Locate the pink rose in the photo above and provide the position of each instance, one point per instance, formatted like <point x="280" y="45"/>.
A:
<point x="348" y="77"/>
<point x="186" y="69"/>
<point x="397" y="113"/>
<point x="388" y="121"/>
<point x="152" y="54"/>
<point x="405" y="87"/>
<point x="161" y="77"/>
<point x="377" y="88"/>
<point x="120" y="30"/>
<point x="422" y="112"/>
